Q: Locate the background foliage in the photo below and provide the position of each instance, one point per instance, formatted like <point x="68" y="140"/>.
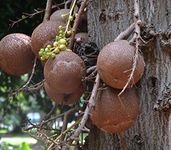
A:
<point x="13" y="109"/>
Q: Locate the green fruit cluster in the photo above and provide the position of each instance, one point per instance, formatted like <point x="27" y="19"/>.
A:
<point x="60" y="44"/>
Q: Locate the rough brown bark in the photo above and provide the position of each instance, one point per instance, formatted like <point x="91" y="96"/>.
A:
<point x="152" y="130"/>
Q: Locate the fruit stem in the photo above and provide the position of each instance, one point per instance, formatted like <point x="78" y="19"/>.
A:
<point x="76" y="23"/>
<point x="48" y="10"/>
<point x="90" y="105"/>
<point x="137" y="37"/>
<point x="63" y="133"/>
<point x="70" y="15"/>
<point x="125" y="34"/>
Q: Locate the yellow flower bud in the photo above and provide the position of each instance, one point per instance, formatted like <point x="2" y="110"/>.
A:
<point x="55" y="44"/>
<point x="71" y="18"/>
<point x="62" y="41"/>
<point x="62" y="47"/>
<point x="49" y="46"/>
<point x="56" y="50"/>
<point x="60" y="27"/>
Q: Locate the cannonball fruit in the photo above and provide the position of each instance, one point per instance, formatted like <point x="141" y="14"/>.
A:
<point x="16" y="56"/>
<point x="65" y="72"/>
<point x="114" y="115"/>
<point x="115" y="62"/>
<point x="63" y="98"/>
<point x="44" y="33"/>
<point x="60" y="15"/>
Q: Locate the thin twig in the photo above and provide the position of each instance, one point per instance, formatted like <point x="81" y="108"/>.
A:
<point x="65" y="121"/>
<point x="45" y="119"/>
<point x="48" y="10"/>
<point x="125" y="34"/>
<point x="54" y="118"/>
<point x="91" y="76"/>
<point x="66" y="3"/>
<point x="34" y="88"/>
<point x="137" y="37"/>
<point x="70" y="14"/>
<point x="26" y="129"/>
<point x="30" y="15"/>
<point x="51" y="112"/>
<point x="63" y="133"/>
<point x="29" y="79"/>
<point x="90" y="69"/>
<point x="90" y="104"/>
<point x="66" y="116"/>
<point x="40" y="133"/>
<point x="32" y="73"/>
<point x="76" y="23"/>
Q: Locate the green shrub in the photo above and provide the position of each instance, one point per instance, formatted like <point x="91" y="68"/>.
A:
<point x="6" y="146"/>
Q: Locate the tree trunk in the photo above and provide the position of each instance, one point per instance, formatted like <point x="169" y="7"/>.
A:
<point x="152" y="130"/>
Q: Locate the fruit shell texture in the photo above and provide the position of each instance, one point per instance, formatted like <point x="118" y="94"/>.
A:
<point x="82" y="26"/>
<point x="114" y="115"/>
<point x="65" y="72"/>
<point x="62" y="98"/>
<point x="115" y="62"/>
<point x="44" y="33"/>
<point x="16" y="56"/>
<point x="56" y="16"/>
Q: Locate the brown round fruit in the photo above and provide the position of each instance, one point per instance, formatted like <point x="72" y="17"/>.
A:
<point x="115" y="62"/>
<point x="52" y="93"/>
<point x="64" y="99"/>
<point x="114" y="115"/>
<point x="64" y="73"/>
<point x="42" y="34"/>
<point x="60" y="15"/>
<point x="16" y="56"/>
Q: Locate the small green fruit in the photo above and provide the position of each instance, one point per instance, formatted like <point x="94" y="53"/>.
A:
<point x="53" y="55"/>
<point x="40" y="53"/>
<point x="48" y="53"/>
<point x="71" y="18"/>
<point x="68" y="49"/>
<point x="62" y="47"/>
<point x="63" y="17"/>
<point x="60" y="27"/>
<point x="42" y="49"/>
<point x="46" y="56"/>
<point x="57" y="38"/>
<point x="55" y="44"/>
<point x="61" y="35"/>
<point x="69" y="33"/>
<point x="49" y="46"/>
<point x="61" y="32"/>
<point x="62" y="41"/>
<point x="42" y="58"/>
<point x="56" y="50"/>
<point x="46" y="49"/>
